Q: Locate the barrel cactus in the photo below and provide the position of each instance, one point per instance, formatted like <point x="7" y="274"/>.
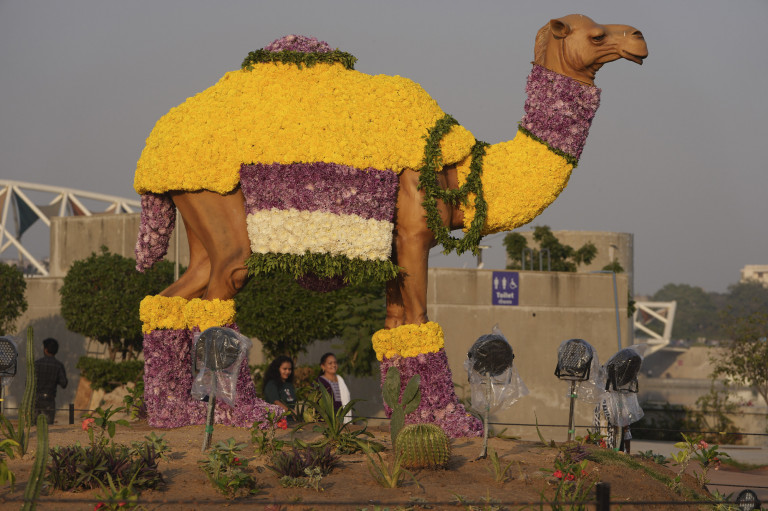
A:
<point x="423" y="446"/>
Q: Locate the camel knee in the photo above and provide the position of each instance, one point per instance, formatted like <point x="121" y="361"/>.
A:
<point x="227" y="279"/>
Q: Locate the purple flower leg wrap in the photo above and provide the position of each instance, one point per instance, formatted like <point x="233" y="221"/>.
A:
<point x="168" y="383"/>
<point x="439" y="404"/>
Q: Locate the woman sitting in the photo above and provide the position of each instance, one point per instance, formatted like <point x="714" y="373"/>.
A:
<point x="278" y="384"/>
<point x="334" y="383"/>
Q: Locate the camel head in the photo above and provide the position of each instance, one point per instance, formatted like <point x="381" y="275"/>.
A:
<point x="576" y="46"/>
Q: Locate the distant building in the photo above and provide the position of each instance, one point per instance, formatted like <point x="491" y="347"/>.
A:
<point x="758" y="272"/>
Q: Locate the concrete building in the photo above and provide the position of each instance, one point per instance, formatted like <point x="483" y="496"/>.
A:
<point x="548" y="308"/>
<point x="755" y="272"/>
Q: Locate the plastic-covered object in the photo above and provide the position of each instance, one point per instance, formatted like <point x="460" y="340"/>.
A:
<point x="216" y="360"/>
<point x="621" y="371"/>
<point x="619" y="401"/>
<point x="577" y="361"/>
<point x="9" y="355"/>
<point x="489" y="363"/>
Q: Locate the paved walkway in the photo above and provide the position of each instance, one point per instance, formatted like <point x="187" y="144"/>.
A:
<point x="724" y="481"/>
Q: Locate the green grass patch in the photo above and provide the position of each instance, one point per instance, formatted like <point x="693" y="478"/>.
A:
<point x="610" y="457"/>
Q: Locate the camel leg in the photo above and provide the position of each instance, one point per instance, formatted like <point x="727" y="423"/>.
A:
<point x="194" y="281"/>
<point x="218" y="223"/>
<point x="407" y="294"/>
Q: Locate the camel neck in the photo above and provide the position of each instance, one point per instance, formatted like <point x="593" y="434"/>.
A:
<point x="559" y="110"/>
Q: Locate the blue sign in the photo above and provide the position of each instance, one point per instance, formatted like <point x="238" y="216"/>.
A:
<point x="505" y="288"/>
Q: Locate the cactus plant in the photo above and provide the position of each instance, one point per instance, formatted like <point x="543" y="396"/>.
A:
<point x="423" y="446"/>
<point x="400" y="407"/>
<point x="30" y="390"/>
<point x="32" y="491"/>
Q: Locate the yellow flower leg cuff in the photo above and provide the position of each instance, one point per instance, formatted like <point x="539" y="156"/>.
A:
<point x="162" y="313"/>
<point x="208" y="313"/>
<point x="408" y="340"/>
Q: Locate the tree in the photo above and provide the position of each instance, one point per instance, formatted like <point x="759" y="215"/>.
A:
<point x="744" y="299"/>
<point x="360" y="312"/>
<point x="744" y="359"/>
<point x="288" y="318"/>
<point x="696" y="312"/>
<point x="13" y="303"/>
<point x="562" y="257"/>
<point x="101" y="295"/>
<point x="284" y="316"/>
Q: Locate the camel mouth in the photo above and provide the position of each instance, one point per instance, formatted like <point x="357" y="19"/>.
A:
<point x="637" y="59"/>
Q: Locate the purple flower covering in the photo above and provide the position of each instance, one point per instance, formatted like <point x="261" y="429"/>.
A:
<point x="158" y="218"/>
<point x="300" y="43"/>
<point x="168" y="383"/>
<point x="559" y="110"/>
<point x="328" y="187"/>
<point x="439" y="404"/>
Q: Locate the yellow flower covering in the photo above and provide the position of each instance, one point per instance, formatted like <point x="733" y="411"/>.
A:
<point x="280" y="113"/>
<point x="408" y="340"/>
<point x="208" y="313"/>
<point x="162" y="313"/>
<point x="520" y="179"/>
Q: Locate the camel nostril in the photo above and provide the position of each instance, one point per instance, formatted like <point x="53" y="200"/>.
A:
<point x="638" y="34"/>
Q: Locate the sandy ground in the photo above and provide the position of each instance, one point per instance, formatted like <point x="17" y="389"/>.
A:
<point x="350" y="485"/>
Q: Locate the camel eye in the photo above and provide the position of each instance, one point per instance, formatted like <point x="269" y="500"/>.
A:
<point x="598" y="38"/>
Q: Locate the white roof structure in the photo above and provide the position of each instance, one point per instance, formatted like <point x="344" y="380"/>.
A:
<point x="18" y="212"/>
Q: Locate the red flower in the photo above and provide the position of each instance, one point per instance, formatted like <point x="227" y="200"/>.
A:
<point x="558" y="473"/>
<point x="603" y="444"/>
<point x="282" y="423"/>
<point x="570" y="477"/>
<point x="703" y="445"/>
<point x="583" y="472"/>
<point x="99" y="505"/>
<point x="87" y="423"/>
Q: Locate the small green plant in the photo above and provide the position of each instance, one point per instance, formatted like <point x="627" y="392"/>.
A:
<point x="659" y="459"/>
<point x="224" y="469"/>
<point x="263" y="434"/>
<point x="400" y="406"/>
<point x="117" y="497"/>
<point x="6" y="450"/>
<point x="336" y="430"/>
<point x="158" y="443"/>
<point x="709" y="457"/>
<point x="311" y="479"/>
<point x="388" y="475"/>
<point x="688" y="451"/>
<point x="497" y="467"/>
<point x="574" y="484"/>
<point x="423" y="446"/>
<point x="294" y="463"/>
<point x="134" y="400"/>
<point x="103" y="420"/>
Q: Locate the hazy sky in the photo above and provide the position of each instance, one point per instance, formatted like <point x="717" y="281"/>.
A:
<point x="673" y="155"/>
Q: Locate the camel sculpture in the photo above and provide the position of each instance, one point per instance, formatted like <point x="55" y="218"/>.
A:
<point x="219" y="157"/>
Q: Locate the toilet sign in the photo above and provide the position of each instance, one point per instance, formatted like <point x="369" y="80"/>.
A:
<point x="505" y="288"/>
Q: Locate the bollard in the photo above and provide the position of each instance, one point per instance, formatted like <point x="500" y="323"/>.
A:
<point x="71" y="413"/>
<point x="603" y="491"/>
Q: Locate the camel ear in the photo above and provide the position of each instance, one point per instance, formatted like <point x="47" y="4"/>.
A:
<point x="560" y="29"/>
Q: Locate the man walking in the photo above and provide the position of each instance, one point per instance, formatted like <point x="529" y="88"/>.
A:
<point x="50" y="373"/>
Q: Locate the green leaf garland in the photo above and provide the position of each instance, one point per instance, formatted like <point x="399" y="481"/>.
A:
<point x="354" y="271"/>
<point x="432" y="191"/>
<point x="299" y="58"/>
